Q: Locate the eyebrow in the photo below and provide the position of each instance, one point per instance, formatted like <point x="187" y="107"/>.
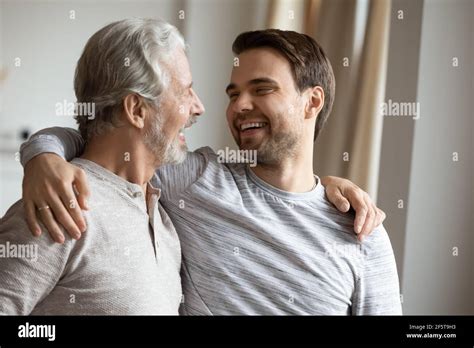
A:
<point x="256" y="81"/>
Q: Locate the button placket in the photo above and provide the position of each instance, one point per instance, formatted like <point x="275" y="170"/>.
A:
<point x="155" y="220"/>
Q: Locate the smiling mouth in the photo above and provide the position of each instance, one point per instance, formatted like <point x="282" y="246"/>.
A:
<point x="192" y="120"/>
<point x="252" y="127"/>
<point x="189" y="123"/>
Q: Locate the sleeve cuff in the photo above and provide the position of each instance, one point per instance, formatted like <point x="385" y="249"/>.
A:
<point x="41" y="144"/>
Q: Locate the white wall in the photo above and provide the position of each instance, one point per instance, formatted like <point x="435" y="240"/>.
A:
<point x="440" y="205"/>
<point x="397" y="137"/>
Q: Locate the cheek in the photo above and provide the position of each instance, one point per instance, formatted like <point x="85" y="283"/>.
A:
<point x="279" y="119"/>
<point x="271" y="111"/>
<point x="230" y="117"/>
<point x="173" y="123"/>
<point x="181" y="115"/>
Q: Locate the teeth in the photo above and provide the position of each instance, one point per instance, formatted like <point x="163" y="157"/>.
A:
<point x="252" y="125"/>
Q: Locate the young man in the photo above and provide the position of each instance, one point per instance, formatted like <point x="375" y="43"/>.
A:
<point x="265" y="240"/>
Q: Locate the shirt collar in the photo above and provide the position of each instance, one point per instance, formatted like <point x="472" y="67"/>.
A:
<point x="314" y="192"/>
<point x="131" y="189"/>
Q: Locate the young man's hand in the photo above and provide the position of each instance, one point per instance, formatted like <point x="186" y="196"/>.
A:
<point x="55" y="191"/>
<point x="344" y="194"/>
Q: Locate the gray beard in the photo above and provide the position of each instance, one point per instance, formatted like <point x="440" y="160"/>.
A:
<point x="165" y="152"/>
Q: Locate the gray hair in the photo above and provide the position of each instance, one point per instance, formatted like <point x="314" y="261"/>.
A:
<point x="123" y="57"/>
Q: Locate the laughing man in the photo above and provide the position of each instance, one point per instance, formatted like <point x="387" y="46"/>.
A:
<point x="254" y="240"/>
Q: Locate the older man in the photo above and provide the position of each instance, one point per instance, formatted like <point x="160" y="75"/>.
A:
<point x="254" y="241"/>
<point x="129" y="261"/>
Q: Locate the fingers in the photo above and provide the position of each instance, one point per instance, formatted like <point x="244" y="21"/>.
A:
<point x="380" y="217"/>
<point x="335" y="197"/>
<point x="344" y="195"/>
<point x="31" y="220"/>
<point x="358" y="204"/>
<point x="63" y="217"/>
<point x="72" y="206"/>
<point x="369" y="223"/>
<point x="48" y="220"/>
<point x="367" y="214"/>
<point x="83" y="193"/>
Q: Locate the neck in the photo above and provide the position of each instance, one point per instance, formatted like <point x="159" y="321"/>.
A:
<point x="118" y="152"/>
<point x="292" y="174"/>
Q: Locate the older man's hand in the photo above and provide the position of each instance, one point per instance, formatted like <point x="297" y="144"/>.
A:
<point x="344" y="194"/>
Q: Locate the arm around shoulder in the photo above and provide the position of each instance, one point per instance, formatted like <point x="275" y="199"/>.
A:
<point x="65" y="142"/>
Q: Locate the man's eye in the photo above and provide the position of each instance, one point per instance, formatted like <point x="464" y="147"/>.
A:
<point x="264" y="90"/>
<point x="233" y="95"/>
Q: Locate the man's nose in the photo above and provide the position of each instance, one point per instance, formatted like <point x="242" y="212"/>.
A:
<point x="197" y="108"/>
<point x="242" y="104"/>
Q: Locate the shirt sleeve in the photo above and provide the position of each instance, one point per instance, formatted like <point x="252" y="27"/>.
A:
<point x="175" y="179"/>
<point x="377" y="289"/>
<point x="64" y="142"/>
<point x="30" y="267"/>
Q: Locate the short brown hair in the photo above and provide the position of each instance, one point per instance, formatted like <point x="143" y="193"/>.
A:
<point x="309" y="64"/>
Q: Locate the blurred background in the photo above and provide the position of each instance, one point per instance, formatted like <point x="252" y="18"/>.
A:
<point x="401" y="127"/>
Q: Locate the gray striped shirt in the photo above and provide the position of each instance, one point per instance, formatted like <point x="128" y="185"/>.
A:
<point x="250" y="248"/>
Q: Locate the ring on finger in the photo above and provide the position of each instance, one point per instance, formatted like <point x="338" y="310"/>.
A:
<point x="43" y="208"/>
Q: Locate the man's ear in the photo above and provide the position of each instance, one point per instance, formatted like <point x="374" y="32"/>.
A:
<point x="135" y="110"/>
<point x="315" y="101"/>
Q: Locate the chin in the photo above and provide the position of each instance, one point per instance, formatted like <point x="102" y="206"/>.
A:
<point x="250" y="145"/>
<point x="176" y="153"/>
